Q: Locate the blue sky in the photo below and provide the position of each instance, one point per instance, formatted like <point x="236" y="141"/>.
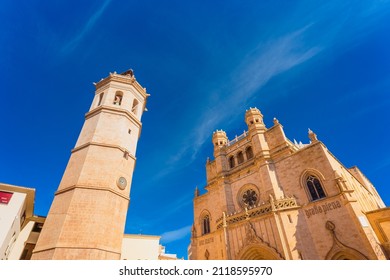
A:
<point x="323" y="65"/>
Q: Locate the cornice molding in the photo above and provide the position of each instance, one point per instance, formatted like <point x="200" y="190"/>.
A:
<point x="124" y="79"/>
<point x="113" y="110"/>
<point x="92" y="188"/>
<point x="125" y="151"/>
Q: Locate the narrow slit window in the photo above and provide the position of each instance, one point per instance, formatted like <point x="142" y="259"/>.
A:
<point x="134" y="108"/>
<point x="231" y="162"/>
<point x="100" y="99"/>
<point x="205" y="225"/>
<point x="240" y="157"/>
<point x="249" y="153"/>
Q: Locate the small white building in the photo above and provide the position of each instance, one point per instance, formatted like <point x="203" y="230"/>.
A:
<point x="144" y="247"/>
<point x="19" y="228"/>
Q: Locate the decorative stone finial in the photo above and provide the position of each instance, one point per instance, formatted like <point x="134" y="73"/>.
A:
<point x="196" y="191"/>
<point x="330" y="226"/>
<point x="312" y="136"/>
<point x="276" y="121"/>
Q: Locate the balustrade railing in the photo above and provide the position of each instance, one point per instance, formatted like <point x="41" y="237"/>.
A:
<point x="258" y="210"/>
<point x="237" y="138"/>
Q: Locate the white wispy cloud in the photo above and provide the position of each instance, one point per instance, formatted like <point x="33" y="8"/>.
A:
<point x="175" y="235"/>
<point x="141" y="223"/>
<point x="278" y="55"/>
<point x="265" y="62"/>
<point x="269" y="60"/>
<point x="72" y="44"/>
<point x="272" y="57"/>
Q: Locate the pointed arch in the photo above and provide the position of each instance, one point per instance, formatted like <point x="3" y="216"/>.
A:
<point x="314" y="187"/>
<point x="258" y="252"/>
<point x="350" y="254"/>
<point x="312" y="181"/>
<point x="205" y="218"/>
<point x="339" y="250"/>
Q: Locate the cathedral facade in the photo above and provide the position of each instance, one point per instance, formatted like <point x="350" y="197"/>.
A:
<point x="270" y="198"/>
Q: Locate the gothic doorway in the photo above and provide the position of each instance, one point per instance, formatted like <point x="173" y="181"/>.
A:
<point x="258" y="252"/>
<point x="350" y="254"/>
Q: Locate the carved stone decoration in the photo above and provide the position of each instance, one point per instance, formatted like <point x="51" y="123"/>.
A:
<point x="377" y="247"/>
<point x="340" y="181"/>
<point x="254" y="242"/>
<point x="330" y="226"/>
<point x="251" y="236"/>
<point x="249" y="198"/>
<point x="340" y="251"/>
<point x="193" y="231"/>
<point x="197" y="191"/>
<point x="207" y="254"/>
<point x="312" y="136"/>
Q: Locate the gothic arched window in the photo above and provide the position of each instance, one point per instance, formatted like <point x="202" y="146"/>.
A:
<point x="231" y="162"/>
<point x="205" y="225"/>
<point x="240" y="157"/>
<point x="249" y="153"/>
<point x="249" y="198"/>
<point x="314" y="187"/>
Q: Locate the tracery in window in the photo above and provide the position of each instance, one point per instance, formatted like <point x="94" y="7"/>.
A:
<point x="205" y="225"/>
<point x="249" y="198"/>
<point x="314" y="187"/>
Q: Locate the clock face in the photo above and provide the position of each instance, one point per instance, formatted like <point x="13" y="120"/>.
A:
<point x="121" y="183"/>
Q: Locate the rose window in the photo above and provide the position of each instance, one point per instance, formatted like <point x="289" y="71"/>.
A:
<point x="249" y="198"/>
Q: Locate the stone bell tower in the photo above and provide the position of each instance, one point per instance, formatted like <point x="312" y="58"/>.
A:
<point x="87" y="217"/>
